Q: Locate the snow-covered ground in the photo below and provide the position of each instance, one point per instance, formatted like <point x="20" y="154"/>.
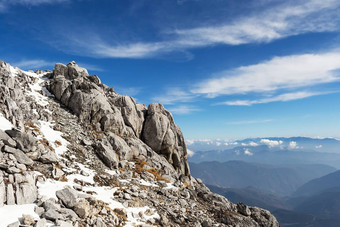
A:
<point x="4" y="123"/>
<point x="11" y="213"/>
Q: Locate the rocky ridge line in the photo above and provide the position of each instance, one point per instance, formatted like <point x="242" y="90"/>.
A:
<point x="82" y="155"/>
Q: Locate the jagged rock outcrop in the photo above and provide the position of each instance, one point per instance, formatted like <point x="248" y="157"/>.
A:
<point x="87" y="156"/>
<point x="100" y="106"/>
<point x="163" y="136"/>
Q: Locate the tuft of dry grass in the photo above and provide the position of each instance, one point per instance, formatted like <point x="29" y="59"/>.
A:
<point x="140" y="168"/>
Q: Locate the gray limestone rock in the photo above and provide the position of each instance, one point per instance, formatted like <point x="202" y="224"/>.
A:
<point x="14" y="224"/>
<point x="243" y="209"/>
<point x="68" y="196"/>
<point x="99" y="223"/>
<point x="120" y="147"/>
<point x="82" y="208"/>
<point x="163" y="136"/>
<point x="26" y="193"/>
<point x="25" y="142"/>
<point x="2" y="192"/>
<point x="20" y="156"/>
<point x="107" y="155"/>
<point x="41" y="223"/>
<point x="28" y="219"/>
<point x="56" y="172"/>
<point x="52" y="215"/>
<point x="49" y="157"/>
<point x="6" y="139"/>
<point x="10" y="195"/>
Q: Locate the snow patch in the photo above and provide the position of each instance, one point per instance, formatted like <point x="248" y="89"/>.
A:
<point x="52" y="136"/>
<point x="14" y="71"/>
<point x="12" y="213"/>
<point x="5" y="124"/>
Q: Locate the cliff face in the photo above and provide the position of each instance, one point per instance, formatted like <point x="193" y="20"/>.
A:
<point x="76" y="153"/>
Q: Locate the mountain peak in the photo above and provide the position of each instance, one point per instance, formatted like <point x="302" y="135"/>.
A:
<point x="75" y="152"/>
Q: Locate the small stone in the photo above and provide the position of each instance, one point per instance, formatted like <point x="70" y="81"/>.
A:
<point x="39" y="210"/>
<point x="56" y="173"/>
<point x="14" y="224"/>
<point x="82" y="208"/>
<point x="41" y="223"/>
<point x="60" y="223"/>
<point x="127" y="196"/>
<point x="28" y="219"/>
<point x="52" y="215"/>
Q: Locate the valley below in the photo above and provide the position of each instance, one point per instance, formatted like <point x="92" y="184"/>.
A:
<point x="303" y="192"/>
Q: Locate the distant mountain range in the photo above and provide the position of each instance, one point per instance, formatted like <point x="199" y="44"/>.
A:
<point x="275" y="150"/>
<point x="315" y="203"/>
<point x="329" y="145"/>
<point x="280" y="180"/>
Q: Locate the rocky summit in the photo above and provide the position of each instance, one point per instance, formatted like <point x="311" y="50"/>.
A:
<point x="73" y="152"/>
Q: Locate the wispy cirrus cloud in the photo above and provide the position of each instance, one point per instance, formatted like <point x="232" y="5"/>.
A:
<point x="34" y="64"/>
<point x="280" y="79"/>
<point x="249" y="122"/>
<point x="6" y="4"/>
<point x="279" y="98"/>
<point x="183" y="109"/>
<point x="286" y="72"/>
<point x="174" y="95"/>
<point x="286" y="19"/>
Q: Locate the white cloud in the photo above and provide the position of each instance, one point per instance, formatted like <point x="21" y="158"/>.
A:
<point x="286" y="19"/>
<point x="253" y="144"/>
<point x="279" y="98"/>
<point x="183" y="109"/>
<point x="5" y="4"/>
<point x="271" y="143"/>
<point x="293" y="145"/>
<point x="249" y="122"/>
<point x="247" y="152"/>
<point x="318" y="146"/>
<point x="174" y="95"/>
<point x="190" y="153"/>
<point x="130" y="91"/>
<point x="286" y="72"/>
<point x="43" y="64"/>
<point x="33" y="64"/>
<point x="189" y="142"/>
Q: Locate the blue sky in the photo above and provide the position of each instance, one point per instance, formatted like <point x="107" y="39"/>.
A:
<point x="224" y="68"/>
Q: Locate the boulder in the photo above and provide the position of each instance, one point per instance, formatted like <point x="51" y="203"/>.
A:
<point x="82" y="208"/>
<point x="24" y="141"/>
<point x="67" y="196"/>
<point x="49" y="157"/>
<point x="133" y="115"/>
<point x="20" y="156"/>
<point x="6" y="139"/>
<point x="243" y="209"/>
<point x="51" y="215"/>
<point x="26" y="193"/>
<point x="120" y="146"/>
<point x="2" y="192"/>
<point x="107" y="155"/>
<point x="164" y="136"/>
<point x="10" y="195"/>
